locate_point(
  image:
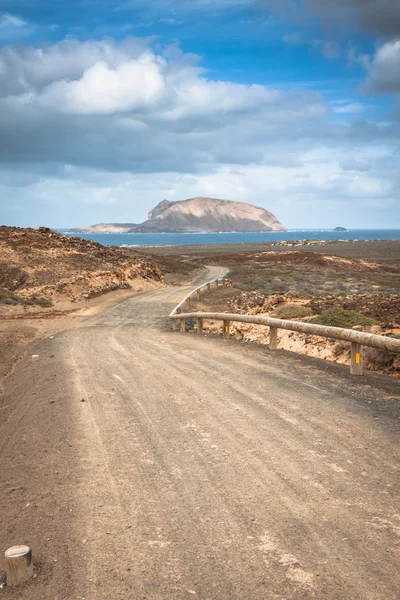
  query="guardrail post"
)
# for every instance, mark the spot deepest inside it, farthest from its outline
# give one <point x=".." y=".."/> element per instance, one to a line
<point x="182" y="324"/>
<point x="199" y="325"/>
<point x="226" y="329"/>
<point x="216" y="283"/>
<point x="273" y="338"/>
<point x="198" y="294"/>
<point x="356" y="366"/>
<point x="188" y="303"/>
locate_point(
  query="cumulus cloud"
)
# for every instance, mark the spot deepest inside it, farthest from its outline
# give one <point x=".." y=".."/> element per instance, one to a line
<point x="110" y="124"/>
<point x="132" y="85"/>
<point x="107" y="78"/>
<point x="122" y="106"/>
<point x="384" y="70"/>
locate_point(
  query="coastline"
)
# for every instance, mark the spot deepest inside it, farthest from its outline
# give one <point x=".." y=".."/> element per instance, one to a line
<point x="147" y="240"/>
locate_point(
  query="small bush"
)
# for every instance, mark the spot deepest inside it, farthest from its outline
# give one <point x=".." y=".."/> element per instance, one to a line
<point x="340" y="348"/>
<point x="291" y="311"/>
<point x="40" y="301"/>
<point x="376" y="360"/>
<point x="339" y="317"/>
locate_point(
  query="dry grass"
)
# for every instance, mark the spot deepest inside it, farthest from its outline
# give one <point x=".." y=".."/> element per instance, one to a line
<point x="291" y="311"/>
<point x="338" y="317"/>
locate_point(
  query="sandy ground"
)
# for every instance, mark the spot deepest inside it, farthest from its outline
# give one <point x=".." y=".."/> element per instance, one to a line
<point x="142" y="463"/>
<point x="18" y="330"/>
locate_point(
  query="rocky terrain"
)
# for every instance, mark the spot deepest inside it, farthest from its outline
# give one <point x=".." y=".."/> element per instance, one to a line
<point x="312" y="286"/>
<point x="46" y="278"/>
<point x="42" y="267"/>
<point x="198" y="215"/>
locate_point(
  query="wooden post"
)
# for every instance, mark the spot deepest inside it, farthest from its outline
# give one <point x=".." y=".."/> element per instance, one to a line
<point x="174" y="323"/>
<point x="273" y="338"/>
<point x="209" y="287"/>
<point x="19" y="565"/>
<point x="198" y="294"/>
<point x="178" y="311"/>
<point x="199" y="325"/>
<point x="183" y="325"/>
<point x="356" y="366"/>
<point x="226" y="329"/>
<point x="188" y="303"/>
<point x="216" y="283"/>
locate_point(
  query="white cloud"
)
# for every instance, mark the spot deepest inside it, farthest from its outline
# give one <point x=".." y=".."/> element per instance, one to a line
<point x="384" y="70"/>
<point x="348" y="107"/>
<point x="13" y="27"/>
<point x="104" y="130"/>
<point x="133" y="85"/>
<point x="110" y="78"/>
<point x="6" y="19"/>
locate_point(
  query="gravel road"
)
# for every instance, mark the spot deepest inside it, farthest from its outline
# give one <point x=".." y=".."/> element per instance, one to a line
<point x="142" y="463"/>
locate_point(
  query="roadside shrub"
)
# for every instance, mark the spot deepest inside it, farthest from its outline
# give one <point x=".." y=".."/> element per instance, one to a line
<point x="291" y="311"/>
<point x="381" y="360"/>
<point x="339" y="317"/>
<point x="40" y="301"/>
<point x="340" y="348"/>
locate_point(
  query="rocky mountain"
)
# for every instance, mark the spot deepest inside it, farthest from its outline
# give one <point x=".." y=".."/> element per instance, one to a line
<point x="199" y="215"/>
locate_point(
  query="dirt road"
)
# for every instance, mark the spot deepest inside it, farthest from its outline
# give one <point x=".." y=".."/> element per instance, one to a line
<point x="142" y="463"/>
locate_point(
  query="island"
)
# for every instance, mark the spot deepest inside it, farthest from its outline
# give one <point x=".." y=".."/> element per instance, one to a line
<point x="340" y="229"/>
<point x="196" y="215"/>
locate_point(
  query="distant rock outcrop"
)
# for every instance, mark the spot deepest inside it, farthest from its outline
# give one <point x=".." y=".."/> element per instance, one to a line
<point x="340" y="229"/>
<point x="197" y="215"/>
<point x="208" y="215"/>
<point x="105" y="228"/>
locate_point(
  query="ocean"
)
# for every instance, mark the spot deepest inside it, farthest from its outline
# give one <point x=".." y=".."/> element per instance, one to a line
<point x="174" y="239"/>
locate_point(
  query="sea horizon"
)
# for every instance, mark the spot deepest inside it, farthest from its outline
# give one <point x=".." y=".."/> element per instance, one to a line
<point x="234" y="237"/>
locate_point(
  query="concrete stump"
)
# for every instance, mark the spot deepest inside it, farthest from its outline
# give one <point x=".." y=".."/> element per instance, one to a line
<point x="19" y="565"/>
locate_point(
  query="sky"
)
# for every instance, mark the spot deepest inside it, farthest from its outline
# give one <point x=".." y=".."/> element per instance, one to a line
<point x="107" y="107"/>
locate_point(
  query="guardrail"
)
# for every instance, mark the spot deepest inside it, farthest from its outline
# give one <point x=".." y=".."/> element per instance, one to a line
<point x="358" y="339"/>
<point x="197" y="292"/>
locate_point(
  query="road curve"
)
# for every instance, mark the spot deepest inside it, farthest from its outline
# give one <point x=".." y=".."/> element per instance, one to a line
<point x="142" y="463"/>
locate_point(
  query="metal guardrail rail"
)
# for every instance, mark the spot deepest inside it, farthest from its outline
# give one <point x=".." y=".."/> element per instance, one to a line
<point x="358" y="339"/>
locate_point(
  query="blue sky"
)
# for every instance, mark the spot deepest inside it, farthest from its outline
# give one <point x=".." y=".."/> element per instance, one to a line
<point x="108" y="107"/>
